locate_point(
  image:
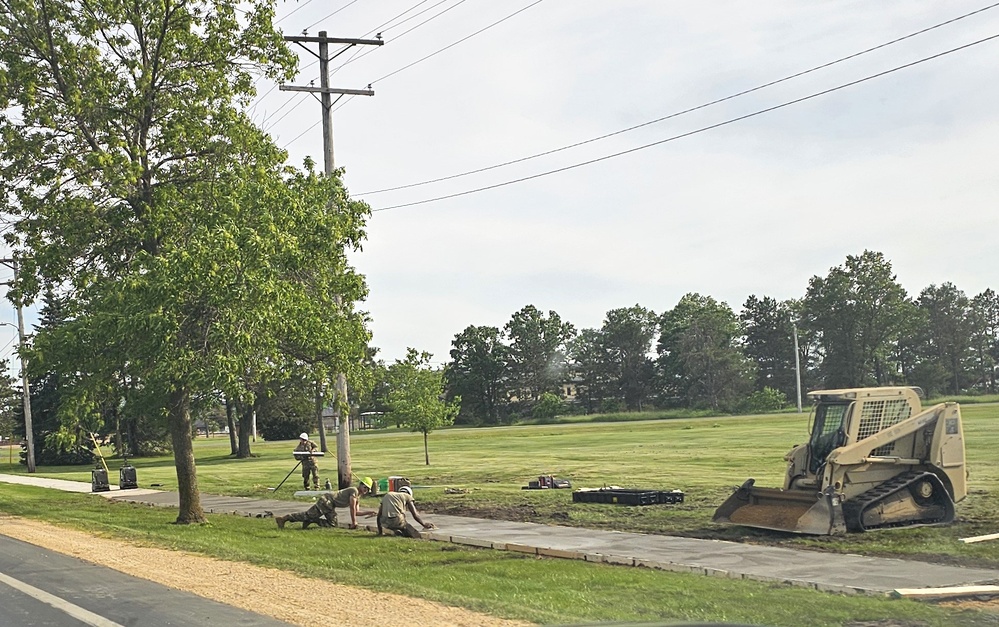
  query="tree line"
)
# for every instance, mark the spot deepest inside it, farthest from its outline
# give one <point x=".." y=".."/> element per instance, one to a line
<point x="856" y="326"/>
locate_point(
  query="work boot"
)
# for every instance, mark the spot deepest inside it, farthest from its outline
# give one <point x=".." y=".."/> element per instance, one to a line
<point x="281" y="520"/>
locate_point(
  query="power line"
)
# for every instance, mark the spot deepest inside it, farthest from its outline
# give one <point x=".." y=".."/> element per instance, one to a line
<point x="384" y="26"/>
<point x="296" y="10"/>
<point x="299" y="103"/>
<point x="678" y="113"/>
<point x="432" y="54"/>
<point x="358" y="55"/>
<point x="406" y="32"/>
<point x="302" y="134"/>
<point x="331" y="14"/>
<point x="426" y="57"/>
<point x="694" y="132"/>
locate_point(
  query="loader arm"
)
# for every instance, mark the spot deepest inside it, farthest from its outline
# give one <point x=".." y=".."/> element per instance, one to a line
<point x="941" y="451"/>
<point x="860" y="452"/>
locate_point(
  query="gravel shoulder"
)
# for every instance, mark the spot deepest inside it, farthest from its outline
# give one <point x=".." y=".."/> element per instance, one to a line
<point x="266" y="591"/>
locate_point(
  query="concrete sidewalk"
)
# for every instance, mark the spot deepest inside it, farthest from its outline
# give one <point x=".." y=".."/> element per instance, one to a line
<point x="851" y="574"/>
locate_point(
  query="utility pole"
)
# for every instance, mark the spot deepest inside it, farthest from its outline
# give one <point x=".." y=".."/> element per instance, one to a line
<point x="25" y="390"/>
<point x="797" y="364"/>
<point x="342" y="407"/>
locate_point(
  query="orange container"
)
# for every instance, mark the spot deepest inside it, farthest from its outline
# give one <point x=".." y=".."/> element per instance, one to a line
<point x="394" y="483"/>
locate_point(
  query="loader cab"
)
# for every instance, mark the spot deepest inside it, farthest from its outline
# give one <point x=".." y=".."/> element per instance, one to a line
<point x="829" y="428"/>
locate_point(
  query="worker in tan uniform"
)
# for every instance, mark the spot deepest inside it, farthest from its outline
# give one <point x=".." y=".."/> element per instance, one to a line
<point x="392" y="514"/>
<point x="309" y="466"/>
<point x="323" y="513"/>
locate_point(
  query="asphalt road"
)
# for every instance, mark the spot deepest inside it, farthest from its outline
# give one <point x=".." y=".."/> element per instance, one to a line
<point x="40" y="588"/>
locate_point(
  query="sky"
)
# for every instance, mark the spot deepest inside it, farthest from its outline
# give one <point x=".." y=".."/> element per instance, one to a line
<point x="906" y="163"/>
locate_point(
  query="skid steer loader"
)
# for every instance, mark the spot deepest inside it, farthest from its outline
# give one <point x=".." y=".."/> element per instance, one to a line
<point x="874" y="459"/>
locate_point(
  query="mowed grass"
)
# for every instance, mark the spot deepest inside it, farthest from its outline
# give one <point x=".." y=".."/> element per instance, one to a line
<point x="705" y="457"/>
<point x="506" y="584"/>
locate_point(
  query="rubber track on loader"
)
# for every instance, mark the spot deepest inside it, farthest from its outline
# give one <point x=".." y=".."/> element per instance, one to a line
<point x="854" y="509"/>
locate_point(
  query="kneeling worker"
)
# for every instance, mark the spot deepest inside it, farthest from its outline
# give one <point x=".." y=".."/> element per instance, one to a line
<point x="392" y="513"/>
<point x="323" y="513"/>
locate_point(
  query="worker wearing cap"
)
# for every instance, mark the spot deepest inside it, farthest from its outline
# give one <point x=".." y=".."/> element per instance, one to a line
<point x="323" y="513"/>
<point x="392" y="513"/>
<point x="309" y="466"/>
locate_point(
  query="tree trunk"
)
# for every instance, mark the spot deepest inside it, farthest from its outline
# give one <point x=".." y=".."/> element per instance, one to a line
<point x="231" y="422"/>
<point x="426" y="448"/>
<point x="132" y="437"/>
<point x="245" y="429"/>
<point x="320" y="425"/>
<point x="343" y="469"/>
<point x="183" y="455"/>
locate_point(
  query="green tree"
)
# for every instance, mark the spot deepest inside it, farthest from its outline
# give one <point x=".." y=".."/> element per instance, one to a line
<point x="768" y="325"/>
<point x="700" y="358"/>
<point x="985" y="338"/>
<point x="416" y="394"/>
<point x="373" y="395"/>
<point x="141" y="188"/>
<point x="948" y="312"/>
<point x="11" y="413"/>
<point x="858" y="312"/>
<point x="547" y="408"/>
<point x="628" y="334"/>
<point x="614" y="361"/>
<point x="286" y="410"/>
<point x="914" y="353"/>
<point x="538" y="347"/>
<point x="765" y="401"/>
<point x="478" y="374"/>
<point x="592" y="369"/>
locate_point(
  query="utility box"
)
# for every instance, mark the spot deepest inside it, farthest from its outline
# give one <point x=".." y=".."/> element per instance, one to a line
<point x="126" y="477"/>
<point x="99" y="480"/>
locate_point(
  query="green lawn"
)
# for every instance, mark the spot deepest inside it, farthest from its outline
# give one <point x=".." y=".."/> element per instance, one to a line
<point x="507" y="584"/>
<point x="705" y="457"/>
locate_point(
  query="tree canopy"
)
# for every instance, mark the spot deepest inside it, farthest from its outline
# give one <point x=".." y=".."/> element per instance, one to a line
<point x="416" y="396"/>
<point x="190" y="256"/>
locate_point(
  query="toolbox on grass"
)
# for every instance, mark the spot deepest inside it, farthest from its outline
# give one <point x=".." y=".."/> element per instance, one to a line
<point x="625" y="496"/>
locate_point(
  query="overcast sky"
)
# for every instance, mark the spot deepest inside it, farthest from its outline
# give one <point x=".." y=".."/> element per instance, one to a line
<point x="906" y="164"/>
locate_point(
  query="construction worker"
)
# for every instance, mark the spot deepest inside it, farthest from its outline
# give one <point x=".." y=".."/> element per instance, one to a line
<point x="392" y="514"/>
<point x="309" y="466"/>
<point x="323" y="513"/>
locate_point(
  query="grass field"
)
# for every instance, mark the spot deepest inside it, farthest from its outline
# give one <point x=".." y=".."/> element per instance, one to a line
<point x="705" y="457"/>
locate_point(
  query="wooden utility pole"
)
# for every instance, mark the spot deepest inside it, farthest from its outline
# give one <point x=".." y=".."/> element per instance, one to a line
<point x="341" y="405"/>
<point x="25" y="389"/>
<point x="797" y="365"/>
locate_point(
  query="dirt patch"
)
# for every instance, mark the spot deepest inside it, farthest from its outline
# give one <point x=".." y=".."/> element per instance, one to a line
<point x="982" y="605"/>
<point x="262" y="590"/>
<point x="512" y="513"/>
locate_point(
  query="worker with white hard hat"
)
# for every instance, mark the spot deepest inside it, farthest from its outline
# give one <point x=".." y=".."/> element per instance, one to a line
<point x="309" y="466"/>
<point x="392" y="514"/>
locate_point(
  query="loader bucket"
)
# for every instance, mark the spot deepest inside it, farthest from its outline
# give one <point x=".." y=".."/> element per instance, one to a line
<point x="794" y="511"/>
